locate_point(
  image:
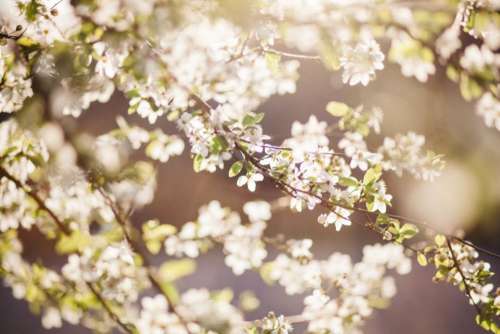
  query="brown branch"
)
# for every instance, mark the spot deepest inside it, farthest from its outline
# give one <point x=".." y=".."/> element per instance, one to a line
<point x="11" y="36"/>
<point x="37" y="199"/>
<point x="456" y="264"/>
<point x="66" y="232"/>
<point x="206" y="108"/>
<point x="282" y="148"/>
<point x="108" y="309"/>
<point x="137" y="249"/>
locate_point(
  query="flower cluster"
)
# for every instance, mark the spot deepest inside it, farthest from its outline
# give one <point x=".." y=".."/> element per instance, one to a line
<point x="359" y="285"/>
<point x="113" y="268"/>
<point x="207" y="66"/>
<point x="242" y="243"/>
<point x="458" y="264"/>
<point x="20" y="153"/>
<point x="16" y="86"/>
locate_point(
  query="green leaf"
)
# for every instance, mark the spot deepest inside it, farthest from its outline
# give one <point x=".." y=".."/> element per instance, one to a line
<point x="27" y="42"/>
<point x="86" y="301"/>
<point x="154" y="230"/>
<point x="252" y="119"/>
<point x="382" y="220"/>
<point x="248" y="301"/>
<point x="225" y="295"/>
<point x="470" y="20"/>
<point x="32" y="10"/>
<point x="171" y="271"/>
<point x="330" y="55"/>
<point x="74" y="242"/>
<point x="407" y="231"/>
<point x="273" y="61"/>
<point x="469" y="88"/>
<point x="248" y="120"/>
<point x="171" y="291"/>
<point x="265" y="272"/>
<point x="198" y="159"/>
<point x="440" y="240"/>
<point x="153" y="246"/>
<point x="133" y="93"/>
<point x="348" y="181"/>
<point x="155" y="233"/>
<point x="235" y="168"/>
<point x="259" y="117"/>
<point x="337" y="109"/>
<point x="452" y="73"/>
<point x="372" y="175"/>
<point x="219" y="144"/>
<point x="251" y="330"/>
<point x="370" y="204"/>
<point x="421" y="259"/>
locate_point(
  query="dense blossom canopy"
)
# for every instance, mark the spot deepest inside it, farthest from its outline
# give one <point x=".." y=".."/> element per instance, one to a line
<point x="207" y="66"/>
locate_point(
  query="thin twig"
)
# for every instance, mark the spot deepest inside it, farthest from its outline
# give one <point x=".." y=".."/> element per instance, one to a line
<point x="208" y="109"/>
<point x="282" y="148"/>
<point x="136" y="248"/>
<point x="66" y="232"/>
<point x="291" y="54"/>
<point x="464" y="279"/>
<point x="108" y="309"/>
<point x="36" y="198"/>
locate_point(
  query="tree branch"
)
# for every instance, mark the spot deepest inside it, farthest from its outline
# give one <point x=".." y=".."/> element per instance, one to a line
<point x="66" y="232"/>
<point x="456" y="264"/>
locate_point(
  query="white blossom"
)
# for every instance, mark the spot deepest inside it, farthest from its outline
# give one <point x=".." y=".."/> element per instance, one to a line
<point x="339" y="217"/>
<point x="488" y="108"/>
<point x="361" y="62"/>
<point x="250" y="180"/>
<point x="244" y="247"/>
<point x="51" y="318"/>
<point x="276" y="324"/>
<point x="257" y="211"/>
<point x="154" y="317"/>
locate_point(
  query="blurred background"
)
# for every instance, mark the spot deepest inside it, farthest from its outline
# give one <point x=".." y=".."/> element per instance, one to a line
<point x="466" y="197"/>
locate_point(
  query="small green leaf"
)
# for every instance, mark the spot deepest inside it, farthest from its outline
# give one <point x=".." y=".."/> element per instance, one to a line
<point x="372" y="175"/>
<point x="407" y="231"/>
<point x="198" y="159"/>
<point x="337" y="109"/>
<point x="248" y="120"/>
<point x="251" y="119"/>
<point x="248" y="301"/>
<point x="27" y="42"/>
<point x="251" y="330"/>
<point x="153" y="246"/>
<point x="225" y="295"/>
<point x="219" y="144"/>
<point x="74" y="242"/>
<point x="32" y="10"/>
<point x="348" y="182"/>
<point x="265" y="272"/>
<point x="154" y="230"/>
<point x="273" y="61"/>
<point x="469" y="88"/>
<point x="259" y="117"/>
<point x="330" y="54"/>
<point x="154" y="233"/>
<point x="173" y="270"/>
<point x="133" y="93"/>
<point x="440" y="240"/>
<point x="235" y="168"/>
<point x="171" y="291"/>
<point x="421" y="259"/>
<point x="452" y="73"/>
